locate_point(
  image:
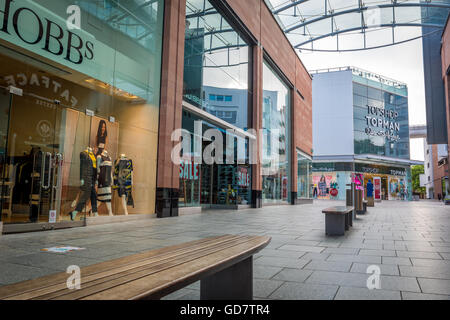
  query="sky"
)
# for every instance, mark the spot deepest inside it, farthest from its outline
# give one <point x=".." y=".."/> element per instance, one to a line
<point x="402" y="62"/>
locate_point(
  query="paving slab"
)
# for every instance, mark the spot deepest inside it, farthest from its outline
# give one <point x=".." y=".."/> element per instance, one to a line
<point x="435" y="286"/>
<point x="396" y="261"/>
<point x="302" y="291"/>
<point x="390" y="270"/>
<point x="265" y="272"/>
<point x="355" y="258"/>
<point x="348" y="293"/>
<point x="343" y="266"/>
<point x="423" y="296"/>
<point x="293" y="275"/>
<point x="264" y="288"/>
<point x="281" y="262"/>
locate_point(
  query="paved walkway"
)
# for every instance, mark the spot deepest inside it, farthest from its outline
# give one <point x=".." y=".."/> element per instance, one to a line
<point x="409" y="241"/>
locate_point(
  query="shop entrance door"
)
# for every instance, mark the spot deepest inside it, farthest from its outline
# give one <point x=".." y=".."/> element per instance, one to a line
<point x="36" y="144"/>
<point x="5" y="185"/>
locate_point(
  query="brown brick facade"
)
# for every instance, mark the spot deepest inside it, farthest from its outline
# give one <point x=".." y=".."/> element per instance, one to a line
<point x="445" y="54"/>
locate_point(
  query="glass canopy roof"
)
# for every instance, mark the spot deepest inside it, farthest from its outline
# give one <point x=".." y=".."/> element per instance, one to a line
<point x="135" y="18"/>
<point x="350" y="25"/>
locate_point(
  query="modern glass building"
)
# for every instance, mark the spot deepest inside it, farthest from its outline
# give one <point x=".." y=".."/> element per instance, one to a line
<point x="361" y="133"/>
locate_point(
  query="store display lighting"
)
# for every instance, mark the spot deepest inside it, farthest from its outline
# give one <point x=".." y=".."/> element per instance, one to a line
<point x="112" y="90"/>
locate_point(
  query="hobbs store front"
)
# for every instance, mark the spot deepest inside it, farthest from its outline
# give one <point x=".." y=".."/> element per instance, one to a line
<point x="79" y="110"/>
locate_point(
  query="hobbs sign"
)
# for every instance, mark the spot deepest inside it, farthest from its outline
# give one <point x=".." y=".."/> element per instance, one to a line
<point x="382" y="123"/>
<point x="31" y="27"/>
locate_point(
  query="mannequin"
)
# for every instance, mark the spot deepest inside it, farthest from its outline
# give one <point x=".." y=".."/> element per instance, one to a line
<point x="105" y="178"/>
<point x="88" y="181"/>
<point x="123" y="180"/>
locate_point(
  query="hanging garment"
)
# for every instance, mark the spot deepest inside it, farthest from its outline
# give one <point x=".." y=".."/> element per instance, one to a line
<point x="88" y="173"/>
<point x="35" y="186"/>
<point x="123" y="170"/>
<point x="104" y="170"/>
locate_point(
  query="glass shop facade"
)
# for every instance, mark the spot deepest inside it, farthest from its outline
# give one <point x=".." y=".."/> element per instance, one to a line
<point x="217" y="95"/>
<point x="381" y="144"/>
<point x="79" y="109"/>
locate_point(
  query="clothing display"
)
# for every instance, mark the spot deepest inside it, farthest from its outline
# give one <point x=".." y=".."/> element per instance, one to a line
<point x="322" y="188"/>
<point x="123" y="170"/>
<point x="101" y="143"/>
<point x="369" y="189"/>
<point x="35" y="194"/>
<point x="88" y="174"/>
<point x="104" y="169"/>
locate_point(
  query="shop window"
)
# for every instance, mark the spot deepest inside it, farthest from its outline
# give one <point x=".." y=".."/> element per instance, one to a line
<point x="215" y="62"/>
<point x="275" y="162"/>
<point x="304" y="175"/>
<point x="218" y="184"/>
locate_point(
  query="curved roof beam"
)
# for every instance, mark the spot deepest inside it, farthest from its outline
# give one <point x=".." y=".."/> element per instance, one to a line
<point x="370" y="48"/>
<point x="288" y="6"/>
<point x="360" y="9"/>
<point x="385" y="25"/>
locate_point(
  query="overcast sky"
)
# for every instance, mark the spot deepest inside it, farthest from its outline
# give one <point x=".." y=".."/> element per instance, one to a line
<point x="403" y="62"/>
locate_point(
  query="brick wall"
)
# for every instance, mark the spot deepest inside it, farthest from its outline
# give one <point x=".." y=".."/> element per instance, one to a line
<point x="445" y="54"/>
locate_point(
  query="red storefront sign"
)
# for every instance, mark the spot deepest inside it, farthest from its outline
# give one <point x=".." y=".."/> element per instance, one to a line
<point x="243" y="177"/>
<point x="189" y="170"/>
<point x="377" y="187"/>
<point x="334" y="192"/>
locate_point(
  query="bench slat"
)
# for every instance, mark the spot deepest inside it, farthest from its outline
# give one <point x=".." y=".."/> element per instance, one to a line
<point x="55" y="279"/>
<point x="118" y="276"/>
<point x="338" y="210"/>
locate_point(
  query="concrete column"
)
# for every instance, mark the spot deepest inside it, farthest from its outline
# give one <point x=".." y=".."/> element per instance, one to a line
<point x="167" y="191"/>
<point x="1" y="228"/>
<point x="293" y="145"/>
<point x="257" y="122"/>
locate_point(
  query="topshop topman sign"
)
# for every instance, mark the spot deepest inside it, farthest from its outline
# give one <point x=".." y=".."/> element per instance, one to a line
<point x="385" y="120"/>
<point x="32" y="26"/>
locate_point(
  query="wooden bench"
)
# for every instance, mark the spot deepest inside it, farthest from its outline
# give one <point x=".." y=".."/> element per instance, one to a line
<point x="224" y="266"/>
<point x="338" y="220"/>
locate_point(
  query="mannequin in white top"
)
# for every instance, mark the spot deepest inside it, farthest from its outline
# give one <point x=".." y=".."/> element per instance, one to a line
<point x="105" y="179"/>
